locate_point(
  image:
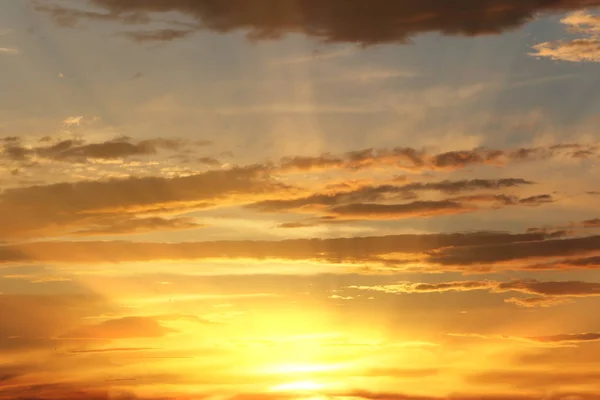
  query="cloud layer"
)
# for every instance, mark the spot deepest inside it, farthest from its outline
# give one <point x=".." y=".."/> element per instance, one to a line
<point x="334" y="21"/>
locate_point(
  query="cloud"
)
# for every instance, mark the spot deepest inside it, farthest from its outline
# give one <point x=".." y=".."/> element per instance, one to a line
<point x="376" y="193"/>
<point x="392" y="211"/>
<point x="592" y="223"/>
<point x="560" y="340"/>
<point x="29" y="322"/>
<point x="111" y="350"/>
<point x="522" y="252"/>
<point x="373" y="202"/>
<point x="359" y="249"/>
<point x="128" y="226"/>
<point x="72" y="120"/>
<point x="69" y="391"/>
<point x="576" y="262"/>
<point x="568" y="338"/>
<point x="161" y="35"/>
<point x="415" y="160"/>
<point x="371" y="395"/>
<point x="338" y="297"/>
<point x="210" y="161"/>
<point x="530" y="302"/>
<point x="77" y="151"/>
<point x="8" y="50"/>
<point x="64" y="208"/>
<point x="552" y="293"/>
<point x="415" y="209"/>
<point x="335" y="20"/>
<point x="576" y="50"/>
<point x="431" y="208"/>
<point x="121" y="328"/>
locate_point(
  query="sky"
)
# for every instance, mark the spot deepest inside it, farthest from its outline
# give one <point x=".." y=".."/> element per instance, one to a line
<point x="299" y="199"/>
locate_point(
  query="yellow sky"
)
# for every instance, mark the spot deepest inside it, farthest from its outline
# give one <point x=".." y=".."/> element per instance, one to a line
<point x="260" y="199"/>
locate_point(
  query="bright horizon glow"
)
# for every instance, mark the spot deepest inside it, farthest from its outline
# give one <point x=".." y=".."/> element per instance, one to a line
<point x="299" y="386"/>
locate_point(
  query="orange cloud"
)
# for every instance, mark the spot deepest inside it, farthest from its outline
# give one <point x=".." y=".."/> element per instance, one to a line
<point x="576" y="50"/>
<point x="121" y="328"/>
<point x="129" y="226"/>
<point x="88" y="206"/>
<point x="359" y="249"/>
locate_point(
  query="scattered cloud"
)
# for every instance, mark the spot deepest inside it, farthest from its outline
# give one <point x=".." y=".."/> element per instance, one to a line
<point x="576" y="50"/>
<point x="381" y="192"/>
<point x="411" y="159"/>
<point x="73" y="120"/>
<point x="551" y="293"/>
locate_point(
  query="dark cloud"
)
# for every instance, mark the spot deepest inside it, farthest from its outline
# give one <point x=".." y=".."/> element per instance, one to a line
<point x="78" y="151"/>
<point x="522" y="252"/>
<point x="355" y="21"/>
<point x="420" y="160"/>
<point x="210" y="161"/>
<point x="537" y="200"/>
<point x="162" y="35"/>
<point x="431" y="208"/>
<point x="567" y="263"/>
<point x="361" y="249"/>
<point x="376" y="193"/>
<point x="377" y="202"/>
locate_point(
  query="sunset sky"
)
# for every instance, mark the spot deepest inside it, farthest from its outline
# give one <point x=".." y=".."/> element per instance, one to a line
<point x="299" y="199"/>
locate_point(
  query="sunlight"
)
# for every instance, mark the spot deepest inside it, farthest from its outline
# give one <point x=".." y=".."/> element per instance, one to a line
<point x="303" y="368"/>
<point x="300" y="386"/>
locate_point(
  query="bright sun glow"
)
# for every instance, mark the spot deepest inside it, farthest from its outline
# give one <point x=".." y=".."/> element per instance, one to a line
<point x="303" y="368"/>
<point x="301" y="386"/>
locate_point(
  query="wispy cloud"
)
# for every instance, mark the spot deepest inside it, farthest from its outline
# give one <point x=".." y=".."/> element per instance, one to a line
<point x="8" y="50"/>
<point x="551" y="293"/>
